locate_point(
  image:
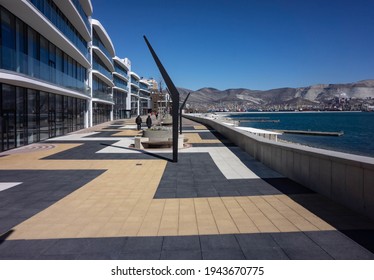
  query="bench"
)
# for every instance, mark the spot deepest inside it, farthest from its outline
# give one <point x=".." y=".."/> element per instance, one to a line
<point x="157" y="144"/>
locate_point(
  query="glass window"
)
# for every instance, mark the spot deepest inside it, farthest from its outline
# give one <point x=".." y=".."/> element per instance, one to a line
<point x="59" y="115"/>
<point x="33" y="52"/>
<point x="43" y="109"/>
<point x="21" y="120"/>
<point x="32" y="116"/>
<point x="21" y="46"/>
<point x="52" y="63"/>
<point x="52" y="115"/>
<point x="8" y="116"/>
<point x="8" y="43"/>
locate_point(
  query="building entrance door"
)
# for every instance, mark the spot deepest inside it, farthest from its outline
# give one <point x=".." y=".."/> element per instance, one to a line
<point x="8" y="130"/>
<point x="52" y="123"/>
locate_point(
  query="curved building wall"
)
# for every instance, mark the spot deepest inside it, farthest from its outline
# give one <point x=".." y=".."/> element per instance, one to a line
<point x="42" y="88"/>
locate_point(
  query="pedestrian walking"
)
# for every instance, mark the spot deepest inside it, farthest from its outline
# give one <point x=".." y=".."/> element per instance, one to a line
<point x="149" y="121"/>
<point x="139" y="121"/>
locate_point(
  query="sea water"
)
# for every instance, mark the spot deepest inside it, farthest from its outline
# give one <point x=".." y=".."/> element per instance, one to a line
<point x="358" y="128"/>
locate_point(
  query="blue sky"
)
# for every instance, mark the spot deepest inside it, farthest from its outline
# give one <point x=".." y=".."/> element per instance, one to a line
<point x="255" y="44"/>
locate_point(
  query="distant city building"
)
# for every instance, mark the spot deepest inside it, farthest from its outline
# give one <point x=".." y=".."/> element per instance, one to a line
<point x="59" y="72"/>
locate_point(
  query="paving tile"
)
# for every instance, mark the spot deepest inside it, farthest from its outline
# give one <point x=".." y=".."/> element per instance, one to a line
<point x="339" y="246"/>
<point x="223" y="254"/>
<point x="181" y="255"/>
<point x="143" y="244"/>
<point x="172" y="243"/>
<point x="123" y="194"/>
<point x="275" y="253"/>
<point x="139" y="255"/>
<point x="218" y="242"/>
<point x="299" y="246"/>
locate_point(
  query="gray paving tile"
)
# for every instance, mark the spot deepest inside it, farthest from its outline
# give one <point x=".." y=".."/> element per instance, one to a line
<point x="266" y="253"/>
<point x="139" y="255"/>
<point x="67" y="247"/>
<point x="24" y="249"/>
<point x="217" y="242"/>
<point x="181" y="243"/>
<point x="223" y="254"/>
<point x="143" y="244"/>
<point x="256" y="241"/>
<point x="340" y="246"/>
<point x="298" y="246"/>
<point x="102" y="245"/>
<point x="181" y="255"/>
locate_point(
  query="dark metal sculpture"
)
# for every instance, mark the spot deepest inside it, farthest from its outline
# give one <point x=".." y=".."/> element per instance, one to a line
<point x="174" y="96"/>
<point x="180" y="112"/>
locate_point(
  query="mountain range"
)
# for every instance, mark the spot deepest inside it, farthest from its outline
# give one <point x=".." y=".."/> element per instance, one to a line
<point x="311" y="95"/>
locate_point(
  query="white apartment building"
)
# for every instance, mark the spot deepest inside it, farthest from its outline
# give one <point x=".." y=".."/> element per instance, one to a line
<point x="59" y="72"/>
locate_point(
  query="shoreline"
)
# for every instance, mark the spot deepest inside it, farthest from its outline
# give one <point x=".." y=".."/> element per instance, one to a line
<point x="224" y="117"/>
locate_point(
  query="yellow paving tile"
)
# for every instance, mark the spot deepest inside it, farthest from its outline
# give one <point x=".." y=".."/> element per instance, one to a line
<point x="205" y="220"/>
<point x="309" y="216"/>
<point x="241" y="219"/>
<point x="258" y="218"/>
<point x="187" y="218"/>
<point x="128" y="132"/>
<point x="152" y="219"/>
<point x="224" y="222"/>
<point x="170" y="218"/>
<point x="282" y="223"/>
<point x="200" y="127"/>
<point x="195" y="138"/>
<point x="297" y="220"/>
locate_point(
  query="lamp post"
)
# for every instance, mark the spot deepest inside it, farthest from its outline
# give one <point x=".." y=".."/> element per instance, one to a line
<point x="174" y="96"/>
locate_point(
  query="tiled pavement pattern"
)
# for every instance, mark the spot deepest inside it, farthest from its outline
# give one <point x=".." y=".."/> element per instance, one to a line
<point x="89" y="195"/>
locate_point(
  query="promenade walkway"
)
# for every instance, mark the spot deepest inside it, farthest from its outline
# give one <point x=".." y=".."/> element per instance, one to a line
<point x="90" y="195"/>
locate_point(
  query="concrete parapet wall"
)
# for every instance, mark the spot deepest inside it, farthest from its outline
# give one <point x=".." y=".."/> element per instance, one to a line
<point x="344" y="178"/>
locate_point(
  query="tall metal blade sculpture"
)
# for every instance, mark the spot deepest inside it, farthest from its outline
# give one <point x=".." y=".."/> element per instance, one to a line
<point x="180" y="112"/>
<point x="174" y="97"/>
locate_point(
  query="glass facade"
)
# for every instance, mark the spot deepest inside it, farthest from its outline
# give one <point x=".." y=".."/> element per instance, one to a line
<point x="28" y="116"/>
<point x="101" y="90"/>
<point x="82" y="13"/>
<point x="49" y="9"/>
<point x="120" y="83"/>
<point x="101" y="113"/>
<point x="120" y="70"/>
<point x="119" y="108"/>
<point x="144" y="109"/>
<point x="25" y="51"/>
<point x="101" y="67"/>
<point x="134" y="105"/>
<point x="97" y="42"/>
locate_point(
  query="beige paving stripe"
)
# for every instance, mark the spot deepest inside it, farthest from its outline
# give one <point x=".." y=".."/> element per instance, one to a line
<point x="128" y="132"/>
<point x="195" y="138"/>
<point x="200" y="127"/>
<point x="120" y="203"/>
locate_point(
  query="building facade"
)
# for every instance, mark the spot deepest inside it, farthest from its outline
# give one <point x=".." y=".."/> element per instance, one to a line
<point x="58" y="72"/>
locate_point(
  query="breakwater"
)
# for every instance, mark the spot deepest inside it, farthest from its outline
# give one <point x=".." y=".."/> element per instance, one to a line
<point x="345" y="178"/>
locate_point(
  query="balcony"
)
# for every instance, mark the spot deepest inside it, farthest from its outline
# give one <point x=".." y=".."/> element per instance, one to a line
<point x="102" y="96"/>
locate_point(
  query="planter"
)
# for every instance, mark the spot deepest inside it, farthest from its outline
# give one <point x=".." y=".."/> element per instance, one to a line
<point x="157" y="135"/>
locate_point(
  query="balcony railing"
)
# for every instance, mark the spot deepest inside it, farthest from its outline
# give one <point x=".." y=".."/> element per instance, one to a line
<point x="27" y="65"/>
<point x="102" y="95"/>
<point x="59" y="20"/>
<point x="100" y="45"/>
<point x="97" y="66"/>
<point x="81" y="12"/>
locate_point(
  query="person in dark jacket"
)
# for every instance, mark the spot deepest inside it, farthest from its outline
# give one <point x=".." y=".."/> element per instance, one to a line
<point x="139" y="121"/>
<point x="149" y="121"/>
